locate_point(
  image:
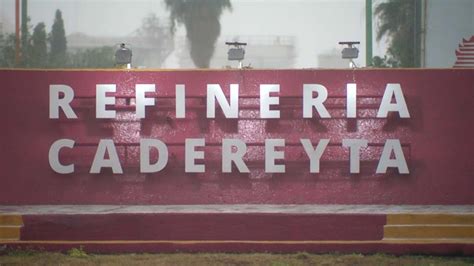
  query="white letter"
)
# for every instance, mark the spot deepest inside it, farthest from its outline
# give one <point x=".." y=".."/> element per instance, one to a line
<point x="191" y="155"/>
<point x="351" y="105"/>
<point x="318" y="102"/>
<point x="266" y="100"/>
<point x="145" y="146"/>
<point x="101" y="100"/>
<point x="214" y="92"/>
<point x="106" y="146"/>
<point x="399" y="105"/>
<point x="180" y="101"/>
<point x="140" y="90"/>
<point x="314" y="154"/>
<point x="228" y="156"/>
<point x="55" y="102"/>
<point x="271" y="155"/>
<point x="399" y="160"/>
<point x="54" y="156"/>
<point x="354" y="149"/>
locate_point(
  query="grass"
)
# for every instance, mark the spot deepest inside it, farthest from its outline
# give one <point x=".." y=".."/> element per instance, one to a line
<point x="78" y="256"/>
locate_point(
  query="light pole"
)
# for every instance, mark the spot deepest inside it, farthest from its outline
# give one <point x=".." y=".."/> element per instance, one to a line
<point x="368" y="32"/>
<point x="17" y="32"/>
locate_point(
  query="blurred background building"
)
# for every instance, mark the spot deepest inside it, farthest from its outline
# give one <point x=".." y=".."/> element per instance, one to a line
<point x="261" y="52"/>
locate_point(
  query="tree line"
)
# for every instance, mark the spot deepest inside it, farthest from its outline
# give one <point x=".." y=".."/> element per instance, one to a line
<point x="400" y="22"/>
<point x="49" y="50"/>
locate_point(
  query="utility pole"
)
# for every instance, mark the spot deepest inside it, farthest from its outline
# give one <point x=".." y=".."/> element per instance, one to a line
<point x="418" y="34"/>
<point x="368" y="32"/>
<point x="24" y="30"/>
<point x="17" y="32"/>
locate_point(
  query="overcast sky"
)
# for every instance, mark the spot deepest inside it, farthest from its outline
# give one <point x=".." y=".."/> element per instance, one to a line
<point x="317" y="25"/>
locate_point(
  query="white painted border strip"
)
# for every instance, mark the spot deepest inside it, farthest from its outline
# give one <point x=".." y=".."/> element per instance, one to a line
<point x="237" y="208"/>
<point x="264" y="242"/>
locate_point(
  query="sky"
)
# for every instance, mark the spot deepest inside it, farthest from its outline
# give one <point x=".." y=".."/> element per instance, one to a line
<point x="317" y="25"/>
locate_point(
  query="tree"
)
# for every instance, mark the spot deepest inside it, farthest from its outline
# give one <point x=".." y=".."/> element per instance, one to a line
<point x="399" y="22"/>
<point x="384" y="62"/>
<point x="201" y="20"/>
<point x="38" y="56"/>
<point x="101" y="57"/>
<point x="7" y="50"/>
<point x="158" y="38"/>
<point x="58" y="43"/>
<point x="25" y="43"/>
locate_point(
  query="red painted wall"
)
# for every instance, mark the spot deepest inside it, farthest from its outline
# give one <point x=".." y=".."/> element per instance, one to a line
<point x="204" y="226"/>
<point x="437" y="139"/>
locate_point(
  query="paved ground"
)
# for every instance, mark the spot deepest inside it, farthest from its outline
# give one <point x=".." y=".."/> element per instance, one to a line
<point x="258" y="208"/>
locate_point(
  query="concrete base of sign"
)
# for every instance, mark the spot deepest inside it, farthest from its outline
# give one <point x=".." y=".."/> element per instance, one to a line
<point x="413" y="229"/>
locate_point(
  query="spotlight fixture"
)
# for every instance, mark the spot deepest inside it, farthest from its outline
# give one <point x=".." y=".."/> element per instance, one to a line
<point x="350" y="52"/>
<point x="236" y="52"/>
<point x="123" y="57"/>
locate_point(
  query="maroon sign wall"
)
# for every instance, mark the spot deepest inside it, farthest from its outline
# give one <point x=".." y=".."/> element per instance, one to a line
<point x="437" y="140"/>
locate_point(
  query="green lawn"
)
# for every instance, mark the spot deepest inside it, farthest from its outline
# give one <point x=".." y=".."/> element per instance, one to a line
<point x="78" y="257"/>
